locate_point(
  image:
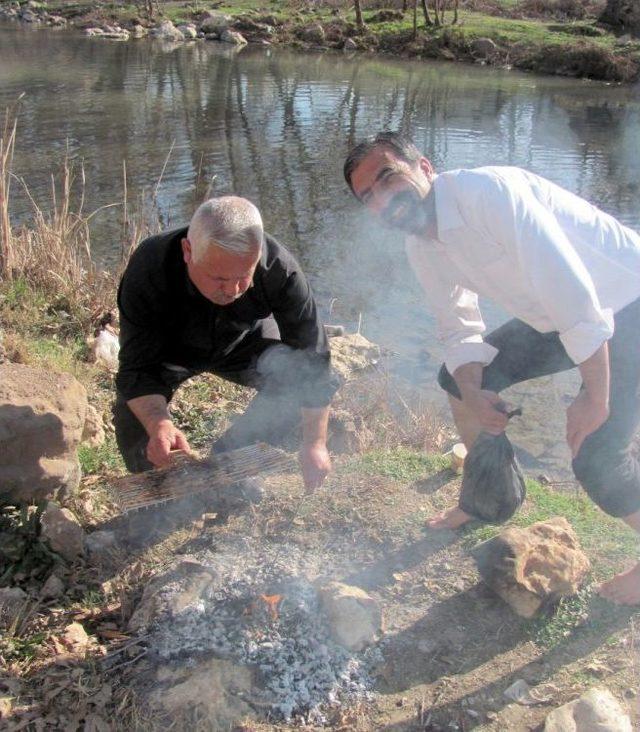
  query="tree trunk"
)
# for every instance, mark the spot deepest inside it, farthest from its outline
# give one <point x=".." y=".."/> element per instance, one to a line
<point x="359" y="19"/>
<point x="405" y="3"/>
<point x="455" y="12"/>
<point x="436" y="12"/>
<point x="425" y="10"/>
<point x="415" y="19"/>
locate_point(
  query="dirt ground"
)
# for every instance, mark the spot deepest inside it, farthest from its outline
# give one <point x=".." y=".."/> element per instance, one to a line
<point x="451" y="646"/>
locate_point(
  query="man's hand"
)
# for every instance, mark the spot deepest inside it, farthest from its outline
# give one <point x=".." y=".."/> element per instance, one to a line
<point x="584" y="416"/>
<point x="164" y="437"/>
<point x="488" y="409"/>
<point x="315" y="463"/>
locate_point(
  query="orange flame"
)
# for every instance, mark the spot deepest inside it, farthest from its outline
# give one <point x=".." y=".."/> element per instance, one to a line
<point x="272" y="602"/>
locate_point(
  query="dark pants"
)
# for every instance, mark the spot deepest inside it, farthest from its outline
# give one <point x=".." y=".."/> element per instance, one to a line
<point x="605" y="466"/>
<point x="260" y="361"/>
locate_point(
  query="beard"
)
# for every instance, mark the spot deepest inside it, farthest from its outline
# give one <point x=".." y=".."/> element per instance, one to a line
<point x="406" y="211"/>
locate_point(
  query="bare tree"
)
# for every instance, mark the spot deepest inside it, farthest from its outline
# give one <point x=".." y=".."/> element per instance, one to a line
<point x="359" y="20"/>
<point x="425" y="10"/>
<point x="150" y="7"/>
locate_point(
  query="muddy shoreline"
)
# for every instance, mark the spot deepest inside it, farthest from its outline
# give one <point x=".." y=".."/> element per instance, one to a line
<point x="572" y="48"/>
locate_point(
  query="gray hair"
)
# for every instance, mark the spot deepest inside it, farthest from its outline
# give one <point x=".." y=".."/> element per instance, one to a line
<point x="401" y="146"/>
<point x="230" y="223"/>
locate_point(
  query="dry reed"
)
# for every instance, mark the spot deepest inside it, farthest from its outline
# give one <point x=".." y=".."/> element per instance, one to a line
<point x="52" y="254"/>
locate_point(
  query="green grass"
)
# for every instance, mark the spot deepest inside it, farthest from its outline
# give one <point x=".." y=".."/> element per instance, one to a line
<point x="608" y="542"/>
<point x="97" y="459"/>
<point x="401" y="463"/>
<point x="21" y="649"/>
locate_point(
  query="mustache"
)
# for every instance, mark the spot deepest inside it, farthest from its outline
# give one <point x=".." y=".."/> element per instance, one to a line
<point x="404" y="209"/>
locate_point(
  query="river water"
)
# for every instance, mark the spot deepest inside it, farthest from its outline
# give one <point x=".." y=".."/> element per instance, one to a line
<point x="274" y="126"/>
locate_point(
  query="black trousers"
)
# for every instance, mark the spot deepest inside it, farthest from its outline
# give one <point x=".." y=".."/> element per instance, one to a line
<point x="260" y="361"/>
<point x="606" y="466"/>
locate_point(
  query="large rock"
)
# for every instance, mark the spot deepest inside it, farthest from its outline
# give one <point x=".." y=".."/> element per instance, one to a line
<point x="313" y="33"/>
<point x="530" y="567"/>
<point x="42" y="417"/>
<point x="169" y="593"/>
<point x="483" y="48"/>
<point x="167" y="31"/>
<point x="233" y="37"/>
<point x="348" y="433"/>
<point x="353" y="353"/>
<point x="215" y="22"/>
<point x="93" y="430"/>
<point x="12" y="601"/>
<point x="213" y="686"/>
<point x="62" y="531"/>
<point x="354" y="617"/>
<point x="596" y="710"/>
<point x="189" y="31"/>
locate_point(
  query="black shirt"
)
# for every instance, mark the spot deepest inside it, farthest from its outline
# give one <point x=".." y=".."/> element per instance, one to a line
<point x="165" y="319"/>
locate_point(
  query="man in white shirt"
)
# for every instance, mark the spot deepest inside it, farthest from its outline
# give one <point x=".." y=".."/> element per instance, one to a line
<point x="569" y="273"/>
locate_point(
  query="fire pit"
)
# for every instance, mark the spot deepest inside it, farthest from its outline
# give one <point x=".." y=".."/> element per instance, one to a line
<point x="269" y="618"/>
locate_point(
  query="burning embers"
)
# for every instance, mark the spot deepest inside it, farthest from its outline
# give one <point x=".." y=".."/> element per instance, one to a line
<point x="270" y="602"/>
<point x="278" y="627"/>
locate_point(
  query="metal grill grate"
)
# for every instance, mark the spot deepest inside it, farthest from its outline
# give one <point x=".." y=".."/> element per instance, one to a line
<point x="189" y="474"/>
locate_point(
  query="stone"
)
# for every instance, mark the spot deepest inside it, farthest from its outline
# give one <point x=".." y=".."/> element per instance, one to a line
<point x="42" y="416"/>
<point x="213" y="686"/>
<point x="348" y="434"/>
<point x="189" y="31"/>
<point x="353" y="353"/>
<point x="483" y="48"/>
<point x="171" y="592"/>
<point x="233" y="37"/>
<point x="533" y="566"/>
<point x="597" y="710"/>
<point x="313" y="33"/>
<point x="139" y="31"/>
<point x="100" y="542"/>
<point x="215" y="22"/>
<point x="52" y="588"/>
<point x="12" y="600"/>
<point x="28" y="16"/>
<point x="93" y="31"/>
<point x="57" y="20"/>
<point x="75" y="642"/>
<point x="354" y="617"/>
<point x="93" y="431"/>
<point x="166" y="31"/>
<point x="62" y="530"/>
<point x="117" y="35"/>
<point x="350" y="45"/>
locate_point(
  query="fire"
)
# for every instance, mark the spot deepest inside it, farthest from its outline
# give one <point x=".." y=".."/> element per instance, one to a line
<point x="272" y="602"/>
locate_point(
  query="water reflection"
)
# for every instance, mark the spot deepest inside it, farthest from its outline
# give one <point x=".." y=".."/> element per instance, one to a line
<point x="275" y="126"/>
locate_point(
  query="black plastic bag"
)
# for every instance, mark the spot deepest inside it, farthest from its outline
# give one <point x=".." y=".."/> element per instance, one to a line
<point x="493" y="487"/>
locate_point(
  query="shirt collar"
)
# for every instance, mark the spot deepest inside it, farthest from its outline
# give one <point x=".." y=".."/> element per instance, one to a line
<point x="448" y="214"/>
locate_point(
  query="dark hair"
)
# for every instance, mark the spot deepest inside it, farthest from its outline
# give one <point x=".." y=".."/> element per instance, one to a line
<point x="401" y="146"/>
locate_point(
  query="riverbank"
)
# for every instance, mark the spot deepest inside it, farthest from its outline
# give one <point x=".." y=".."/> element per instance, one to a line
<point x="72" y="658"/>
<point x="549" y="37"/>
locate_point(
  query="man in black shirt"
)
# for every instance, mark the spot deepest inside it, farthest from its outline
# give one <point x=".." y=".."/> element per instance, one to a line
<point x="224" y="297"/>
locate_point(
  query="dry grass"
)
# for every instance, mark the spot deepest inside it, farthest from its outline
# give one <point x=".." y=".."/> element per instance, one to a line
<point x="52" y="254"/>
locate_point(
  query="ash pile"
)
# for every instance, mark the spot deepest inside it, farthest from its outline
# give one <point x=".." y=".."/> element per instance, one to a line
<point x="310" y="644"/>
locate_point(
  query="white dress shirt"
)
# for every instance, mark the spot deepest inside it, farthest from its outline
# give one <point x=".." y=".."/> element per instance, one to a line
<point x="545" y="255"/>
